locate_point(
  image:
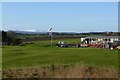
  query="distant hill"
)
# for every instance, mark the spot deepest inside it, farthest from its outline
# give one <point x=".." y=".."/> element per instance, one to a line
<point x="67" y="33"/>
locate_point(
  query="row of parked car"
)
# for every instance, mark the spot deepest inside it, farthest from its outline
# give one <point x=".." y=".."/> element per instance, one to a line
<point x="63" y="44"/>
<point x="114" y="45"/>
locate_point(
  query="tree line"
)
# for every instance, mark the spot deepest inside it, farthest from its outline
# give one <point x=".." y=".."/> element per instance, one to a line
<point x="10" y="38"/>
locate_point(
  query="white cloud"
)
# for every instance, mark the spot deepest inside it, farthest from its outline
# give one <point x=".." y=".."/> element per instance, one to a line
<point x="30" y="30"/>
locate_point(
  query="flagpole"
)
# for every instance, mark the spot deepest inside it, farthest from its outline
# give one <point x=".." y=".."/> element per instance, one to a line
<point x="51" y="40"/>
<point x="51" y="36"/>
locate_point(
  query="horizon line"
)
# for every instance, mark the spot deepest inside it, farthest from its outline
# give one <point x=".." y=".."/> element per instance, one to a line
<point x="60" y="31"/>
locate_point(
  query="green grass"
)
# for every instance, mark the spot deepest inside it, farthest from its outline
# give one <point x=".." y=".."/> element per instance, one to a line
<point x="39" y="54"/>
<point x="0" y="58"/>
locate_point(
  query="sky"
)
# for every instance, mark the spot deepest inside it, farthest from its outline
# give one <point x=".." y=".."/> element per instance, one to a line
<point x="60" y="0"/>
<point x="61" y="16"/>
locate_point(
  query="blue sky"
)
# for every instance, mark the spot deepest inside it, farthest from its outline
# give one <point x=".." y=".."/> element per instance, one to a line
<point x="61" y="16"/>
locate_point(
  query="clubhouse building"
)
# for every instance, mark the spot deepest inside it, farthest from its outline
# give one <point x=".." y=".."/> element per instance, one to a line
<point x="101" y="41"/>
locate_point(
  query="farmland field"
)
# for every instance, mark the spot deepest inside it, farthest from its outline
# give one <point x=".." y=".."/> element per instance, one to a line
<point x="40" y="53"/>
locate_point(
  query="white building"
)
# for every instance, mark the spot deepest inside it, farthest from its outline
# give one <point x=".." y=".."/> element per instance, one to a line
<point x="99" y="39"/>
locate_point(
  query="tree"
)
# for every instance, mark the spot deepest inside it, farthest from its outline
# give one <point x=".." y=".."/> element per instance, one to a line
<point x="9" y="38"/>
<point x="4" y="37"/>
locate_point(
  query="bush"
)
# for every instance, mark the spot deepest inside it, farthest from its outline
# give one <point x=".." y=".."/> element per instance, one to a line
<point x="17" y="41"/>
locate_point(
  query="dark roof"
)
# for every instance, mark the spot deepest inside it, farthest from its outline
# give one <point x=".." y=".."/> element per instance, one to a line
<point x="102" y="37"/>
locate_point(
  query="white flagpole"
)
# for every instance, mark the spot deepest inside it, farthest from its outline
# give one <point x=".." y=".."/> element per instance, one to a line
<point x="51" y="36"/>
<point x="51" y="40"/>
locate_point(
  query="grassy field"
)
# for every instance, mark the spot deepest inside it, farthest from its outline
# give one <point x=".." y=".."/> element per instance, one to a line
<point x="39" y="54"/>
<point x="0" y="58"/>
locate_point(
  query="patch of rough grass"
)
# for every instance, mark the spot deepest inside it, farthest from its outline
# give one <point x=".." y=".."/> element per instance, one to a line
<point x="62" y="71"/>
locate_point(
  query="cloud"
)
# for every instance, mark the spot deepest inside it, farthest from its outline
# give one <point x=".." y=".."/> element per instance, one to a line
<point x="30" y="30"/>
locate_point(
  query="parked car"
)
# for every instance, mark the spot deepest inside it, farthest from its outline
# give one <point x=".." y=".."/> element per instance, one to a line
<point x="115" y="45"/>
